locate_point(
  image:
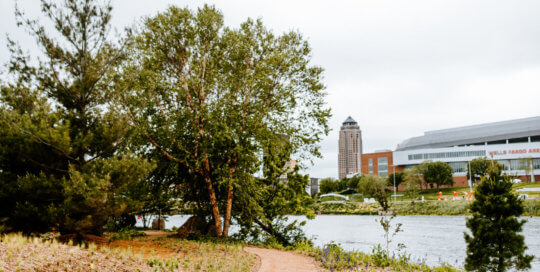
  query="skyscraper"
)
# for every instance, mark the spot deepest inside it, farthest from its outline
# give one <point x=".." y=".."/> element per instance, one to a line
<point x="350" y="148"/>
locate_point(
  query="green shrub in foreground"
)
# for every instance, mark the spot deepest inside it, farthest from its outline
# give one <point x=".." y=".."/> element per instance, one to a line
<point x="127" y="234"/>
<point x="335" y="258"/>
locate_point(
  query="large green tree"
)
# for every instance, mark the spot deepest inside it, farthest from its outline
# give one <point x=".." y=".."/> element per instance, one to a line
<point x="437" y="173"/>
<point x="396" y="179"/>
<point x="63" y="162"/>
<point x="477" y="168"/>
<point x="210" y="99"/>
<point x="376" y="187"/>
<point x="495" y="243"/>
<point x="328" y="185"/>
<point x="413" y="183"/>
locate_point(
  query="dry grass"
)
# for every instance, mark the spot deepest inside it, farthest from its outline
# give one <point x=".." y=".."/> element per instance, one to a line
<point x="150" y="253"/>
<point x="19" y="253"/>
<point x="174" y="253"/>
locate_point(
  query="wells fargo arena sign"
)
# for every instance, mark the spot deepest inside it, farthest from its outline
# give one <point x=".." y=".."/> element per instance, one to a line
<point x="514" y="151"/>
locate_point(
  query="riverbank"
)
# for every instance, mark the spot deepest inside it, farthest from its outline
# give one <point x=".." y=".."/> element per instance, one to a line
<point x="431" y="207"/>
<point x="158" y="251"/>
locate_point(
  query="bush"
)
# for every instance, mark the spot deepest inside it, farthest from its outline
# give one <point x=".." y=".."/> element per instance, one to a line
<point x="380" y="256"/>
<point x="127" y="234"/>
<point x="125" y="221"/>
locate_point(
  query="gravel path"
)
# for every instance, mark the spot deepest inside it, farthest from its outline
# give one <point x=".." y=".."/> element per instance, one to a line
<point x="278" y="260"/>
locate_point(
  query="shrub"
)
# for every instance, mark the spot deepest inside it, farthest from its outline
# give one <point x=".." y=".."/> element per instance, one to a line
<point x="127" y="234"/>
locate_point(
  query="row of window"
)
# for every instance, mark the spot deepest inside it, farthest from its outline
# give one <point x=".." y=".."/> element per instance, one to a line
<point x="528" y="139"/>
<point x="508" y="165"/>
<point x="444" y="155"/>
<point x="382" y="165"/>
<point x="513" y="165"/>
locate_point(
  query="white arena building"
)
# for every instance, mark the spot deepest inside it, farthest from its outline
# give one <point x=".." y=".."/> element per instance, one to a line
<point x="513" y="143"/>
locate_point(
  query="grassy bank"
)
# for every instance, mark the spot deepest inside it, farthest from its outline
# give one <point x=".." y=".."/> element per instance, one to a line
<point x="455" y="207"/>
<point x="19" y="253"/>
<point x="147" y="253"/>
<point x="161" y="253"/>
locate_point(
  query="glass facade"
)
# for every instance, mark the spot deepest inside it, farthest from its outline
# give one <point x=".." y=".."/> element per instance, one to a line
<point x="508" y="165"/>
<point x="458" y="167"/>
<point x="443" y="155"/>
<point x="382" y="164"/>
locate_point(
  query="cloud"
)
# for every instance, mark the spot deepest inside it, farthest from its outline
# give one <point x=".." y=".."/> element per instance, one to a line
<point x="398" y="67"/>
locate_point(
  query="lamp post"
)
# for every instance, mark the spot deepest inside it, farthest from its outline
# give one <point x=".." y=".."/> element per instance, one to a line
<point x="394" y="174"/>
<point x="470" y="175"/>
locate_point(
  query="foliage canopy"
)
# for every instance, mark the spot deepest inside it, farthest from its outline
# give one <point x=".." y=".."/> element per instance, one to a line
<point x="216" y="101"/>
<point x="63" y="160"/>
<point x="477" y="168"/>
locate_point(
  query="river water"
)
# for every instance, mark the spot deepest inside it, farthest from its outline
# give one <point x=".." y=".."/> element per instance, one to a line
<point x="433" y="239"/>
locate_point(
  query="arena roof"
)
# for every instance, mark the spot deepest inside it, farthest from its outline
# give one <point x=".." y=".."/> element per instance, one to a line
<point x="475" y="134"/>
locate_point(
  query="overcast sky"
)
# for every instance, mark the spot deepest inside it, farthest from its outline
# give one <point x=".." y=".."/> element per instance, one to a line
<point x="399" y="68"/>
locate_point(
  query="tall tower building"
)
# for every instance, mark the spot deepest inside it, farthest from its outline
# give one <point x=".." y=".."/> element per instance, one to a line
<point x="350" y="148"/>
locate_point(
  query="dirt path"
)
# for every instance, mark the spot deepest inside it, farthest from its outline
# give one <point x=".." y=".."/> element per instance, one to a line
<point x="273" y="260"/>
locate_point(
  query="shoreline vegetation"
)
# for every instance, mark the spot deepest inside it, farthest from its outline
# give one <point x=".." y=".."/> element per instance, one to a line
<point x="428" y="207"/>
<point x="164" y="252"/>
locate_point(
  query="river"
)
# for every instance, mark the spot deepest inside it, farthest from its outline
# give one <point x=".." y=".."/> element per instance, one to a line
<point x="433" y="239"/>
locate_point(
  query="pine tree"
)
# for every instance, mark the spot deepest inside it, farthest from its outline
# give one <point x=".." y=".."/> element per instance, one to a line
<point x="63" y="161"/>
<point x="495" y="243"/>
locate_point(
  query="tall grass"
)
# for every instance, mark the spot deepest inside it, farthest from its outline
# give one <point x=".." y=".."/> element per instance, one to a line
<point x="22" y="253"/>
<point x="335" y="258"/>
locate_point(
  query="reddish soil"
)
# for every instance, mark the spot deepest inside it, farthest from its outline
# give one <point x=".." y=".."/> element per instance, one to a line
<point x="283" y="261"/>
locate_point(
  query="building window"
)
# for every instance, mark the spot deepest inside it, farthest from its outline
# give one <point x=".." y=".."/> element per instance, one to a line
<point x="505" y="163"/>
<point x="458" y="167"/>
<point x="536" y="163"/>
<point x="444" y="155"/>
<point x="496" y="142"/>
<point x="518" y="140"/>
<point x="382" y="164"/>
<point x="370" y="162"/>
<point x="516" y="165"/>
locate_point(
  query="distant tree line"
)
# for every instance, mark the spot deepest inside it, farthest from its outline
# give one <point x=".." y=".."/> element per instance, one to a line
<point x="432" y="174"/>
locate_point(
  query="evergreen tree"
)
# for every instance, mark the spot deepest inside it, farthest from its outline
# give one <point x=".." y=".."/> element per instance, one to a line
<point x="495" y="243"/>
<point x="63" y="161"/>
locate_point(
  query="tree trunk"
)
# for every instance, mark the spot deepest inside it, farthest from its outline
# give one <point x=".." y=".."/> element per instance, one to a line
<point x="230" y="191"/>
<point x="227" y="220"/>
<point x="212" y="195"/>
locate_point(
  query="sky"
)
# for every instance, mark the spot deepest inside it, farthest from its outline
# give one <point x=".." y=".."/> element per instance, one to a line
<point x="399" y="68"/>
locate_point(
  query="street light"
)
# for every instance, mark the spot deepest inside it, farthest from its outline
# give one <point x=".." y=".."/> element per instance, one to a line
<point x="470" y="175"/>
<point x="394" y="174"/>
